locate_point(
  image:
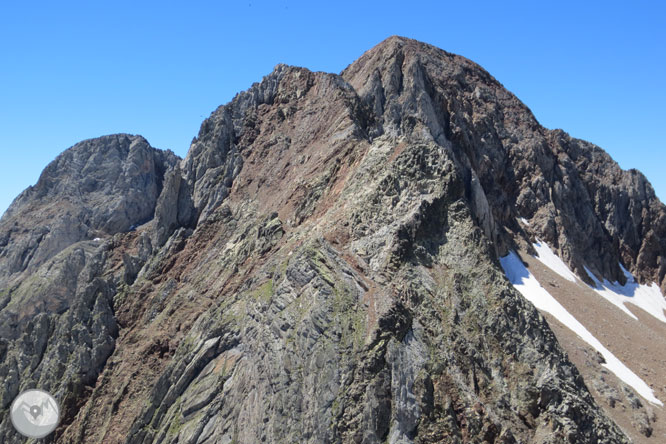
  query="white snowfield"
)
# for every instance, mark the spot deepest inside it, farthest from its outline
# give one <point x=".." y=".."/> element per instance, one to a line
<point x="528" y="286"/>
<point x="647" y="297"/>
<point x="552" y="261"/>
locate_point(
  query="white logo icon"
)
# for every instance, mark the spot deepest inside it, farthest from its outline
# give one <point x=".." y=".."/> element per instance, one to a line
<point x="35" y="413"/>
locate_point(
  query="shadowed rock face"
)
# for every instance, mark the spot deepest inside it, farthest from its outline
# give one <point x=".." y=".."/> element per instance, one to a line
<point x="322" y="267"/>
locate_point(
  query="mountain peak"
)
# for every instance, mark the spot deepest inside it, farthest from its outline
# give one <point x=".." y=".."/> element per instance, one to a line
<point x="323" y="266"/>
<point x="403" y="50"/>
<point x="390" y="44"/>
<point x="98" y="187"/>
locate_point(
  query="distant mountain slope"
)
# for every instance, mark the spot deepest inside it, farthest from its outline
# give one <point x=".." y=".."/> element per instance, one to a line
<point x="322" y="267"/>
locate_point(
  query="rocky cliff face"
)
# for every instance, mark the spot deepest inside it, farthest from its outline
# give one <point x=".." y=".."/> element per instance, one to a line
<point x="96" y="188"/>
<point x="575" y="196"/>
<point x="322" y="267"/>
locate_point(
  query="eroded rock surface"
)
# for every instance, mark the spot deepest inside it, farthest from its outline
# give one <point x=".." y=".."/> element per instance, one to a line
<point x="97" y="188"/>
<point x="322" y="267"/>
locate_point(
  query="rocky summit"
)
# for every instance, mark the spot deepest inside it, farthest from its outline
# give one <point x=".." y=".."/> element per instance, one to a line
<point x="324" y="267"/>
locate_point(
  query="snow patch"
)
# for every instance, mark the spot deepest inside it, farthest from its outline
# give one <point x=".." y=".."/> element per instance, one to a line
<point x="524" y="221"/>
<point x="529" y="287"/>
<point x="647" y="297"/>
<point x="547" y="257"/>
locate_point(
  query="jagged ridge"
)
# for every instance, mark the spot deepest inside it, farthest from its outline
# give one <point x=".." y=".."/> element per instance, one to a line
<point x="322" y="267"/>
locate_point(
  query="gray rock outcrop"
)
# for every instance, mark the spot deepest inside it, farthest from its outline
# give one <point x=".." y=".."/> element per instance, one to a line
<point x="321" y="268"/>
<point x="96" y="188"/>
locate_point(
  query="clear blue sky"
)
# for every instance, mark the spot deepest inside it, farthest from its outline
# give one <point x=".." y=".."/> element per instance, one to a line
<point x="76" y="70"/>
